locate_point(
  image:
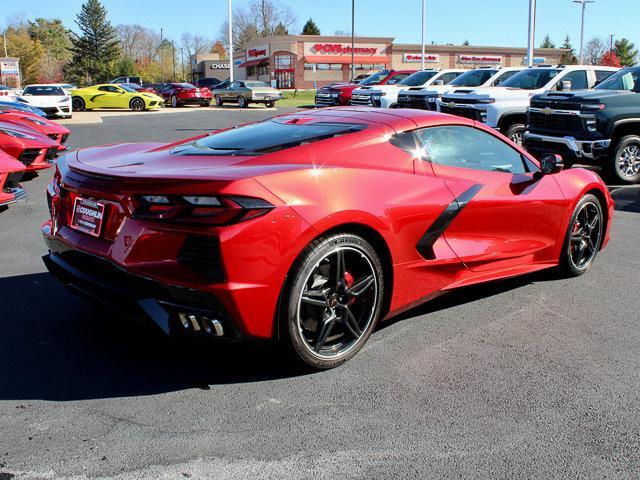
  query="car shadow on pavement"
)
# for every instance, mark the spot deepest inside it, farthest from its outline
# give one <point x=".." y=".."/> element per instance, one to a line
<point x="627" y="198"/>
<point x="56" y="346"/>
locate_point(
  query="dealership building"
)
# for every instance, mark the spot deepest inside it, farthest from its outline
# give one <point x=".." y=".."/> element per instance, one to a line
<point x="311" y="61"/>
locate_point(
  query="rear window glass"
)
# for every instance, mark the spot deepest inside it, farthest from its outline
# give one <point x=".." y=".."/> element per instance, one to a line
<point x="266" y="137"/>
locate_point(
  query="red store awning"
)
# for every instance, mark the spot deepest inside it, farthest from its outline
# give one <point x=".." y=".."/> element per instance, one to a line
<point x="253" y="63"/>
<point x="345" y="59"/>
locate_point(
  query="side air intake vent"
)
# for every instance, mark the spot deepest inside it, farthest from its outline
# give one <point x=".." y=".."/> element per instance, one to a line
<point x="202" y="255"/>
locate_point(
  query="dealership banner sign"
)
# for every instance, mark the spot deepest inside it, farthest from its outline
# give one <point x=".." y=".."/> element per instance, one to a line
<point x="257" y="53"/>
<point x="9" y="66"/>
<point x="476" y="59"/>
<point x="340" y="49"/>
<point x="417" y="58"/>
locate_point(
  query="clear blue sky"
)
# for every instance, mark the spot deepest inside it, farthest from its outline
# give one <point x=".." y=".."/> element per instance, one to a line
<point x="482" y="22"/>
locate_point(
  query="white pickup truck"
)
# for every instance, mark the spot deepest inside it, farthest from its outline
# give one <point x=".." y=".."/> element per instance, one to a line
<point x="425" y="97"/>
<point x="385" y="96"/>
<point x="505" y="107"/>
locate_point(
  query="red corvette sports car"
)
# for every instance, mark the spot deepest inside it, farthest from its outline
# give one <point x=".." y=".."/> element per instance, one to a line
<point x="179" y="94"/>
<point x="11" y="172"/>
<point x="309" y="228"/>
<point x="34" y="150"/>
<point x="49" y="128"/>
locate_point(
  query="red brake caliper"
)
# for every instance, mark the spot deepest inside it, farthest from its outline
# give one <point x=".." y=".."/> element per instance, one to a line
<point x="348" y="282"/>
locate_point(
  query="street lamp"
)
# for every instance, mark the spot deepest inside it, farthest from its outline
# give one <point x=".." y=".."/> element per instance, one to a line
<point x="584" y="4"/>
<point x="532" y="32"/>
<point x="230" y="42"/>
<point x="423" y="59"/>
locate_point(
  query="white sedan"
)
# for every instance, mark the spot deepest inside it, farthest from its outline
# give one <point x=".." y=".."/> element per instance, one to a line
<point x="51" y="99"/>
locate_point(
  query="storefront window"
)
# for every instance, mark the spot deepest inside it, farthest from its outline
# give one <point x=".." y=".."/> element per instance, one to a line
<point x="323" y="66"/>
<point x="284" y="61"/>
<point x="368" y="66"/>
<point x="262" y="69"/>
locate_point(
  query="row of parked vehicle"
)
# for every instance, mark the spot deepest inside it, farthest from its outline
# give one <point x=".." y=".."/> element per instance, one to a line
<point x="29" y="142"/>
<point x="584" y="113"/>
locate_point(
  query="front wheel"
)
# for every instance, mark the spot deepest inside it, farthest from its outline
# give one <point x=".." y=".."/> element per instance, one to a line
<point x="242" y="102"/>
<point x="333" y="301"/>
<point x="205" y="104"/>
<point x="515" y="133"/>
<point x="137" y="105"/>
<point x="269" y="104"/>
<point x="217" y="100"/>
<point x="624" y="165"/>
<point x="174" y="101"/>
<point x="77" y="104"/>
<point x="584" y="237"/>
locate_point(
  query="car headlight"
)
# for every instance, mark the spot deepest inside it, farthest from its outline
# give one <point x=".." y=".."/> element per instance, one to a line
<point x="64" y="100"/>
<point x="486" y="100"/>
<point x="378" y="95"/>
<point x="33" y="120"/>
<point x="20" y="99"/>
<point x="13" y="133"/>
<point x="335" y="94"/>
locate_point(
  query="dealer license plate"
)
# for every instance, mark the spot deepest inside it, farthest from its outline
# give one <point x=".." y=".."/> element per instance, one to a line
<point x="87" y="216"/>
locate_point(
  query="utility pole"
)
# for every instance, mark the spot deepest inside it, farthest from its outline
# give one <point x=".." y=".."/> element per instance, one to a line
<point x="161" y="57"/>
<point x="353" y="26"/>
<point x="184" y="77"/>
<point x="611" y="42"/>
<point x="4" y="38"/>
<point x="532" y="32"/>
<point x="174" y="61"/>
<point x="423" y="59"/>
<point x="583" y="3"/>
<point x="230" y="42"/>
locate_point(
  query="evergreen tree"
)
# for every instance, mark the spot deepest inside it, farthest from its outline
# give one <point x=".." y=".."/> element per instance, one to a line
<point x="569" y="56"/>
<point x="280" y="30"/>
<point x="310" y="28"/>
<point x="96" y="49"/>
<point x="547" y="42"/>
<point x="626" y="52"/>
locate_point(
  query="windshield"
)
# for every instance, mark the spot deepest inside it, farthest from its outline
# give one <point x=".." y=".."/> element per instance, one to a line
<point x="375" y="78"/>
<point x="473" y="78"/>
<point x="268" y="136"/>
<point x="256" y="84"/>
<point x="627" y="79"/>
<point x="127" y="89"/>
<point x="417" y="79"/>
<point x="43" y="90"/>
<point x="531" y="79"/>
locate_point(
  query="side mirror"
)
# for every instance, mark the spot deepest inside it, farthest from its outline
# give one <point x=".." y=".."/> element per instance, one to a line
<point x="550" y="163"/>
<point x="565" y="85"/>
<point x="438" y="82"/>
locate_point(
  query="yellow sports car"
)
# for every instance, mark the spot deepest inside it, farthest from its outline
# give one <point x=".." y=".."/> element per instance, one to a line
<point x="113" y="96"/>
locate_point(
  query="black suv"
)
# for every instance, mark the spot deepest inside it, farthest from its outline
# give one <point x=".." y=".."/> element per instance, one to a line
<point x="209" y="82"/>
<point x="600" y="126"/>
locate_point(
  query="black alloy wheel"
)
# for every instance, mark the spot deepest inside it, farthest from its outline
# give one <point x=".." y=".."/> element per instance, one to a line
<point x="584" y="237"/>
<point x="77" y="104"/>
<point x="335" y="300"/>
<point x="137" y="105"/>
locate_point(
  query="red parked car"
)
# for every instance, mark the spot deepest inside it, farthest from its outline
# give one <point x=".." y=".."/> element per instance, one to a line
<point x="34" y="150"/>
<point x="311" y="227"/>
<point x="340" y="93"/>
<point x="11" y="172"/>
<point x="141" y="88"/>
<point x="51" y="129"/>
<point x="179" y="94"/>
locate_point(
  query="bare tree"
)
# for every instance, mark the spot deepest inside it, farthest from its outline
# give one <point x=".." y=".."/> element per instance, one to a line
<point x="260" y="18"/>
<point x="594" y="49"/>
<point x="138" y="42"/>
<point x="193" y="44"/>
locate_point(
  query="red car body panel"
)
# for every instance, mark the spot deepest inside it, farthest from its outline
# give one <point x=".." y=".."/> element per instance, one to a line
<point x="34" y="150"/>
<point x="49" y="128"/>
<point x="358" y="182"/>
<point x="347" y="88"/>
<point x="10" y="172"/>
<point x="187" y="95"/>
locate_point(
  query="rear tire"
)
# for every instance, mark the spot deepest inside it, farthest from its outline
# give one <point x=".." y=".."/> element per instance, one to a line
<point x="624" y="164"/>
<point x="77" y="104"/>
<point x="217" y="100"/>
<point x="583" y="238"/>
<point x="242" y="102"/>
<point x="205" y="104"/>
<point x="174" y="101"/>
<point x="270" y="104"/>
<point x="333" y="300"/>
<point x="514" y="133"/>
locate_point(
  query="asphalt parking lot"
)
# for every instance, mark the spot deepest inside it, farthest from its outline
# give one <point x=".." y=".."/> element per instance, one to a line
<point x="528" y="378"/>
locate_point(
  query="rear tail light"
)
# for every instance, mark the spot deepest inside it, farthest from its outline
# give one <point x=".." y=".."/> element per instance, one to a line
<point x="204" y="209"/>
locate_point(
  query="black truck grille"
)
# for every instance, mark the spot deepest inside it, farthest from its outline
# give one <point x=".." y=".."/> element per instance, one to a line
<point x="411" y="101"/>
<point x="555" y="104"/>
<point x="202" y="255"/>
<point x="471" y="113"/>
<point x="324" y="99"/>
<point x="557" y="123"/>
<point x="462" y="101"/>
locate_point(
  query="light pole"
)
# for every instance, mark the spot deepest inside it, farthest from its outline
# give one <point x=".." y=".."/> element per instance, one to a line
<point x="423" y="59"/>
<point x="611" y="41"/>
<point x="161" y="56"/>
<point x="532" y="32"/>
<point x="584" y="4"/>
<point x="230" y="42"/>
<point x="353" y="23"/>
